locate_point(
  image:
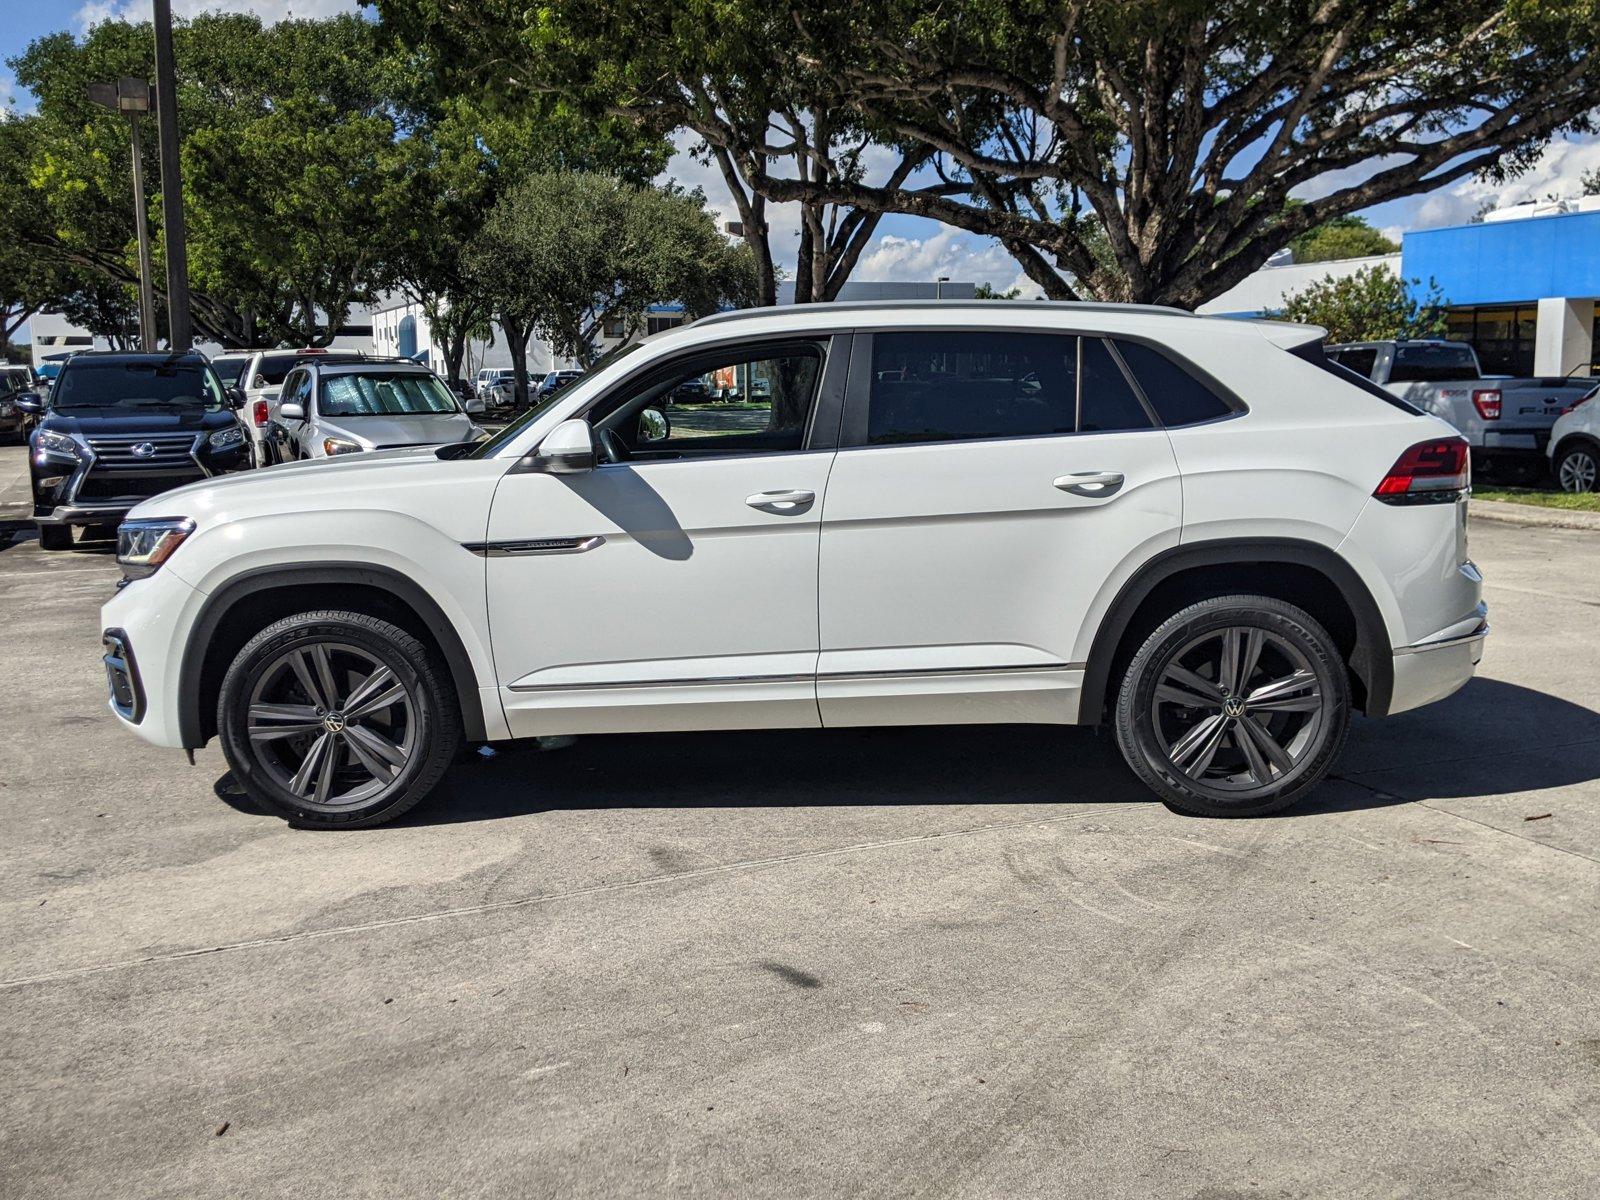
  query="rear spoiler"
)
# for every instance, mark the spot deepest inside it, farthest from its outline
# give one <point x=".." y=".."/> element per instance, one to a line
<point x="1289" y="334"/>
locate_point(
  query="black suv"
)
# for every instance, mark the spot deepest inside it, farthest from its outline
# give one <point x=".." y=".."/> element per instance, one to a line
<point x="120" y="428"/>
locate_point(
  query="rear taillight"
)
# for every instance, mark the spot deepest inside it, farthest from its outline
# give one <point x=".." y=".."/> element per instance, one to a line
<point x="1428" y="473"/>
<point x="258" y="414"/>
<point x="1487" y="402"/>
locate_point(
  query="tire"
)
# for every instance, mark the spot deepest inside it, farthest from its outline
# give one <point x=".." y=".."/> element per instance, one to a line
<point x="55" y="537"/>
<point x="1577" y="468"/>
<point x="371" y="766"/>
<point x="1204" y="757"/>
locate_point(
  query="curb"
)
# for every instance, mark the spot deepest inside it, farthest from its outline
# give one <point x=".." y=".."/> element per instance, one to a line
<point x="1531" y="515"/>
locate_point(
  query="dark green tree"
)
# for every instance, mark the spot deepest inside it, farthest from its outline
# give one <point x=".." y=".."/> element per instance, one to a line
<point x="1371" y="304"/>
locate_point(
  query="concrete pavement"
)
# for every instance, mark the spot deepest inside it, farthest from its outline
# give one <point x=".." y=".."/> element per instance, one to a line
<point x="962" y="962"/>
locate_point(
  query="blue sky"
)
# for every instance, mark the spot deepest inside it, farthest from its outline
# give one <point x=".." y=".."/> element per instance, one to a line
<point x="905" y="247"/>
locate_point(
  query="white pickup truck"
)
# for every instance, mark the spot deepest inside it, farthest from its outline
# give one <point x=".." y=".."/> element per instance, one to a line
<point x="1505" y="420"/>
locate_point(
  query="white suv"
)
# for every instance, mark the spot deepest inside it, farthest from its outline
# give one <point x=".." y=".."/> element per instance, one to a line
<point x="1197" y="529"/>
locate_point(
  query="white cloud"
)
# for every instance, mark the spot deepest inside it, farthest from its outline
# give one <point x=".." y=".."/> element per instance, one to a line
<point x="1556" y="173"/>
<point x="947" y="252"/>
<point x="270" y="11"/>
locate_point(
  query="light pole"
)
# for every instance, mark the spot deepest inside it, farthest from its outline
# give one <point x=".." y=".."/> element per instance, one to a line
<point x="132" y="96"/>
<point x="938" y="287"/>
<point x="178" y="335"/>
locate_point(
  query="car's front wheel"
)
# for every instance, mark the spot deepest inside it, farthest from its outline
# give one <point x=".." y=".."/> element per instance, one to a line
<point x="1235" y="706"/>
<point x="1578" y="468"/>
<point x="337" y="719"/>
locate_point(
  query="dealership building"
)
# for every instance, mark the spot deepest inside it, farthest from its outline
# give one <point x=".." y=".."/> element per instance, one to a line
<point x="1521" y="285"/>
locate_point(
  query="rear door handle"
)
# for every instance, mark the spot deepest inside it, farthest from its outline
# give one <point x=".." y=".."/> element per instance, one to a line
<point x="1097" y="485"/>
<point x="792" y="501"/>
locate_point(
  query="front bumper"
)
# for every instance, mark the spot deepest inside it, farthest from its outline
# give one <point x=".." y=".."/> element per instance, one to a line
<point x="153" y="615"/>
<point x="1441" y="665"/>
<point x="87" y="489"/>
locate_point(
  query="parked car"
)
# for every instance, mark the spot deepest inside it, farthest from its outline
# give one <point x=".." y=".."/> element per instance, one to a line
<point x="1199" y="531"/>
<point x="556" y="381"/>
<point x="488" y="377"/>
<point x="261" y="379"/>
<point x="691" y="391"/>
<point x="503" y="391"/>
<point x="13" y="382"/>
<point x="1575" y="443"/>
<point x="328" y="409"/>
<point x="1505" y="420"/>
<point x="121" y="428"/>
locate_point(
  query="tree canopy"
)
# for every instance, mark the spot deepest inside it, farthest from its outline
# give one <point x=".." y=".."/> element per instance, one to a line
<point x="1342" y="237"/>
<point x="568" y="253"/>
<point x="1370" y="304"/>
<point x="1134" y="149"/>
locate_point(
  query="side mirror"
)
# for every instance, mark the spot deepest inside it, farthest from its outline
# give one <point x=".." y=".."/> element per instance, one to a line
<point x="653" y="426"/>
<point x="234" y="397"/>
<point x="29" y="402"/>
<point x="292" y="412"/>
<point x="568" y="449"/>
<point x="475" y="406"/>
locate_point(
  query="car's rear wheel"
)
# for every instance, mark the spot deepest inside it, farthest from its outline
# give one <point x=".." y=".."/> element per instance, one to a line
<point x="55" y="537"/>
<point x="337" y="719"/>
<point x="1235" y="706"/>
<point x="1578" y="467"/>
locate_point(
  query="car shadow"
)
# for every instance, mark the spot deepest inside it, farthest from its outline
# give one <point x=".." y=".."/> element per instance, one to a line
<point x="1484" y="741"/>
<point x="1492" y="738"/>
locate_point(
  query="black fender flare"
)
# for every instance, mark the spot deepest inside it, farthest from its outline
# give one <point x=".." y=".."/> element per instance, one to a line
<point x="1372" y="658"/>
<point x="404" y="589"/>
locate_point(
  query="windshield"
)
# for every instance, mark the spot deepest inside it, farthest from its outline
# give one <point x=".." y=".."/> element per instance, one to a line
<point x="372" y="394"/>
<point x="1433" y="364"/>
<point x="229" y="369"/>
<point x="489" y="446"/>
<point x="89" y="384"/>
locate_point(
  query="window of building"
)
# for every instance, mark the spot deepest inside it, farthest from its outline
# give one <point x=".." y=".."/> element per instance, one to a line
<point x="1502" y="335"/>
<point x="1177" y="396"/>
<point x="662" y="324"/>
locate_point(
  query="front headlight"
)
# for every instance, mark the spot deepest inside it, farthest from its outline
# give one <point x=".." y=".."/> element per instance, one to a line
<point x="143" y="545"/>
<point x="56" y="443"/>
<point x="226" y="439"/>
<point x="332" y="446"/>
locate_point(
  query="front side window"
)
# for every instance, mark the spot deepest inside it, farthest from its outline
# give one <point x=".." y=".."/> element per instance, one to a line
<point x="751" y="402"/>
<point x="372" y="394"/>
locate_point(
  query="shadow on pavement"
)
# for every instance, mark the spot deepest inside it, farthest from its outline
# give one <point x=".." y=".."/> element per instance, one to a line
<point x="1001" y="764"/>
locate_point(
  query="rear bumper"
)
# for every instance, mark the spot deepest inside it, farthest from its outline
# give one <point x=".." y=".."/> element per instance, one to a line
<point x="1439" y="666"/>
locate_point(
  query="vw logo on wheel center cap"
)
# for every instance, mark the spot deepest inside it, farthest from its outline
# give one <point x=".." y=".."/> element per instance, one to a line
<point x="333" y="722"/>
<point x="1233" y="707"/>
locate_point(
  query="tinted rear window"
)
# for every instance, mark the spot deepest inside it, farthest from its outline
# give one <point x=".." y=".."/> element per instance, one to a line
<point x="1108" y="401"/>
<point x="1177" y="396"/>
<point x="944" y="387"/>
<point x="1433" y="364"/>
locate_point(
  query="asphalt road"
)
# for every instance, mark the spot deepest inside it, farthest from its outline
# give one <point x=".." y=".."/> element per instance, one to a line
<point x="961" y="962"/>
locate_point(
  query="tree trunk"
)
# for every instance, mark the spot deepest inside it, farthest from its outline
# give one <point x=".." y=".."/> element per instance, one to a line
<point x="517" y="333"/>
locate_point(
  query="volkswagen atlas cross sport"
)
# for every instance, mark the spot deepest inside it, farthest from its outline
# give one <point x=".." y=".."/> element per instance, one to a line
<point x="1197" y="530"/>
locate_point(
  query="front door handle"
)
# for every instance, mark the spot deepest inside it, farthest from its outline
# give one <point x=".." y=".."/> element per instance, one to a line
<point x="1097" y="485"/>
<point x="792" y="501"/>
